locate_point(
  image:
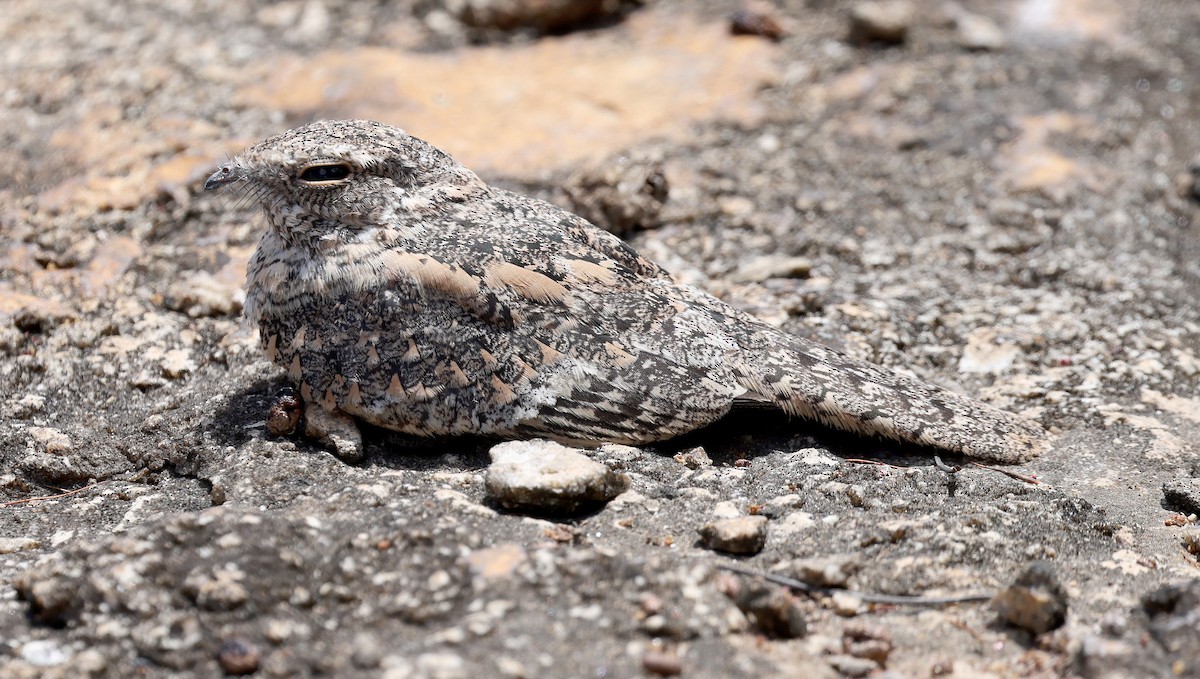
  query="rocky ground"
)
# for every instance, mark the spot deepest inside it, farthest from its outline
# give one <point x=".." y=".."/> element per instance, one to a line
<point x="996" y="196"/>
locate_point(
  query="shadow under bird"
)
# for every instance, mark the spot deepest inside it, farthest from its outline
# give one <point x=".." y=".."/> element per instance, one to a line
<point x="397" y="288"/>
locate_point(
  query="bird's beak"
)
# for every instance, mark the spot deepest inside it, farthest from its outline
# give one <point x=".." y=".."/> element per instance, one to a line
<point x="226" y="174"/>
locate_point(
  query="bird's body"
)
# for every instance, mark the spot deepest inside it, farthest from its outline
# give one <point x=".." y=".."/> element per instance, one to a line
<point x="397" y="288"/>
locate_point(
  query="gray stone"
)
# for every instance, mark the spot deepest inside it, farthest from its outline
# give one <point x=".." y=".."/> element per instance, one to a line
<point x="772" y="610"/>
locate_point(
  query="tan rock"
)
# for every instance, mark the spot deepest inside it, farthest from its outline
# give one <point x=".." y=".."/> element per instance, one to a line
<point x="177" y="362"/>
<point x="496" y="562"/>
<point x="881" y="20"/>
<point x="526" y="110"/>
<point x="51" y="440"/>
<point x="739" y="535"/>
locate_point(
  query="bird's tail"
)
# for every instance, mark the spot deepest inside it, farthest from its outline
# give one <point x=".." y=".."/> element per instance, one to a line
<point x="815" y="382"/>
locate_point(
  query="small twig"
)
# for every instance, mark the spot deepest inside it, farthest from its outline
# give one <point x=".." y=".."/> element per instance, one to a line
<point x="949" y="469"/>
<point x="65" y="493"/>
<point x="877" y="463"/>
<point x="1014" y="475"/>
<point x="898" y="599"/>
<point x="937" y="462"/>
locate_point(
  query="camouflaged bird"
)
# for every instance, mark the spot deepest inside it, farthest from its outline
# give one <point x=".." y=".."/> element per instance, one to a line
<point x="398" y="288"/>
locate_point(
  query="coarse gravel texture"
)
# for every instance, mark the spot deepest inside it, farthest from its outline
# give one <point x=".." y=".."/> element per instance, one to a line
<point x="1013" y="217"/>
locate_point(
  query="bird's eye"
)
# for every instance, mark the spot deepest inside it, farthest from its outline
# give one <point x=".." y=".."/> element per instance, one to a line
<point x="327" y="173"/>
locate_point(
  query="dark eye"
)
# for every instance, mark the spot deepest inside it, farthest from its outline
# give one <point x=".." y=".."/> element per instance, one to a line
<point x="325" y="173"/>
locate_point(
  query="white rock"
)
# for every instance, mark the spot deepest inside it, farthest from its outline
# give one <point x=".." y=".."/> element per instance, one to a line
<point x="44" y="653"/>
<point x="177" y="362"/>
<point x="548" y="476"/>
<point x="977" y="32"/>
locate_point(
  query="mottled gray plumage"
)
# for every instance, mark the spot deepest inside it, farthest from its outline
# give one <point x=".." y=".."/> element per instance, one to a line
<point x="398" y="288"/>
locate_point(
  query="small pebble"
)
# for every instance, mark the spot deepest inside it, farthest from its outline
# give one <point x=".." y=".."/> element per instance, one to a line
<point x="662" y="663"/>
<point x="825" y="571"/>
<point x="845" y="604"/>
<point x="44" y="653"/>
<point x="739" y="535"/>
<point x="239" y="656"/>
<point x="977" y="32"/>
<point x="497" y="562"/>
<point x="886" y="21"/>
<point x="11" y="545"/>
<point x="987" y="351"/>
<point x="366" y="651"/>
<point x="650" y="603"/>
<point x="871" y="642"/>
<point x="694" y="458"/>
<point x="1035" y="601"/>
<point x="757" y="18"/>
<point x="176" y="363"/>
<point x="51" y="440"/>
<point x="511" y="667"/>
<point x="772" y="610"/>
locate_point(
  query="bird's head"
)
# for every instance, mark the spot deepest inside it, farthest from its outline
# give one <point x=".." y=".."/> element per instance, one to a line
<point x="335" y="179"/>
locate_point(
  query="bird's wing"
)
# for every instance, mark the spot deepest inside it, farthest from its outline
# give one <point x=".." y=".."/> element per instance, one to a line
<point x="587" y="335"/>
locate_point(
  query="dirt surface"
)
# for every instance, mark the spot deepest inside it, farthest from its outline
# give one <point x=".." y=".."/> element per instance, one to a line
<point x="1011" y="213"/>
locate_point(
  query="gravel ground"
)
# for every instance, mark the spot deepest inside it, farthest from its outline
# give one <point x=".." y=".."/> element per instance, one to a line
<point x="999" y="197"/>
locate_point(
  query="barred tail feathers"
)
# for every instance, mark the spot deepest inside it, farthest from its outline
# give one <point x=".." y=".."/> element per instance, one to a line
<point x="814" y="382"/>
